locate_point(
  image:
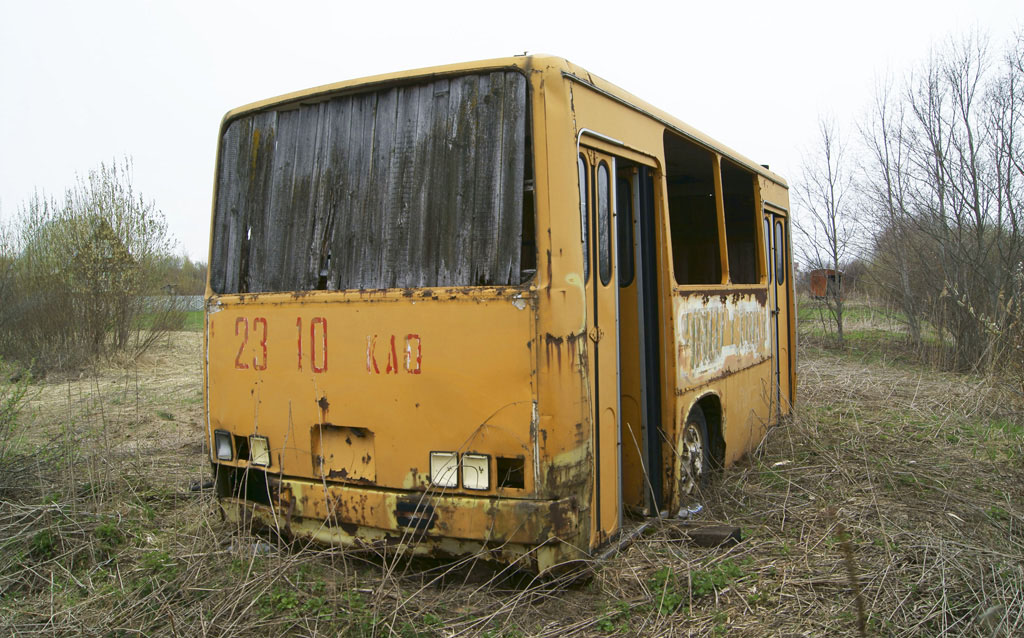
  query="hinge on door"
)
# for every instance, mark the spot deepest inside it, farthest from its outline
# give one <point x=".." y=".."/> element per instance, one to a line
<point x="595" y="334"/>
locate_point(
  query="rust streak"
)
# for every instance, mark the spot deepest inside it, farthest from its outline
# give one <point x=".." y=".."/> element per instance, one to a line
<point x="555" y="343"/>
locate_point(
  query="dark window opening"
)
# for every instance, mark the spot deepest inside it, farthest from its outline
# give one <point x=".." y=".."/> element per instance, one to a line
<point x="768" y="249"/>
<point x="528" y="251"/>
<point x="511" y="472"/>
<point x="693" y="216"/>
<point x="740" y="223"/>
<point x="528" y="242"/>
<point x="624" y="230"/>
<point x="422" y="184"/>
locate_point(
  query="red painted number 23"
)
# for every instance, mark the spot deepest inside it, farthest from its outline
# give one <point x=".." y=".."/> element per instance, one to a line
<point x="259" y="324"/>
<point x="317" y="343"/>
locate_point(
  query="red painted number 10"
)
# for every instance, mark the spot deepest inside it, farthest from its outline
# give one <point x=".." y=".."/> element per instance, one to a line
<point x="317" y="347"/>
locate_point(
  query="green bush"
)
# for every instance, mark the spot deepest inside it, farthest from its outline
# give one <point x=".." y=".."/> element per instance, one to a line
<point x="82" y="277"/>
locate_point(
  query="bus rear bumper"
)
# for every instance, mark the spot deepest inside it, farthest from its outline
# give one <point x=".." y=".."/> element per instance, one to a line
<point x="540" y="533"/>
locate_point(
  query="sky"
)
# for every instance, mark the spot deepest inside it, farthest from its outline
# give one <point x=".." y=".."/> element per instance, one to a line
<point x="83" y="83"/>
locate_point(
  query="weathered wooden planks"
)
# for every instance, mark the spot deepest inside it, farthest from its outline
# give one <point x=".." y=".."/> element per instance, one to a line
<point x="414" y="185"/>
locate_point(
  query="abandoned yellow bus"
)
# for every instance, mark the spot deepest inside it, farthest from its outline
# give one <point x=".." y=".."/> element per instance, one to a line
<point x="487" y="308"/>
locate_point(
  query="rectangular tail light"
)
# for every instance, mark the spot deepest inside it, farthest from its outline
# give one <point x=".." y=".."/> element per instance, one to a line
<point x="222" y="445"/>
<point x="444" y="469"/>
<point x="476" y="471"/>
<point x="259" y="450"/>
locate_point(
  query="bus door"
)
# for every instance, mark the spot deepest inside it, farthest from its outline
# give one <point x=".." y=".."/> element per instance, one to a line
<point x="777" y="254"/>
<point x="597" y="184"/>
<point x="639" y="363"/>
<point x="622" y="327"/>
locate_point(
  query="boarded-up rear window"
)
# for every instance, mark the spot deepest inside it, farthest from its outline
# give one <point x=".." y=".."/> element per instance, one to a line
<point x="408" y="186"/>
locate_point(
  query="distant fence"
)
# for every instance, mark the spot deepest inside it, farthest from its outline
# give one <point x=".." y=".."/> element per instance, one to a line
<point x="187" y="303"/>
<point x="192" y="302"/>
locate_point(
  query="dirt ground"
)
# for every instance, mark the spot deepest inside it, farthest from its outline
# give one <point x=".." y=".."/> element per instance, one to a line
<point x="891" y="504"/>
<point x="150" y="409"/>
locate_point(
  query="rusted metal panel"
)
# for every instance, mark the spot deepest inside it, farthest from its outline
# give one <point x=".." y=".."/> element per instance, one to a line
<point x="718" y="334"/>
<point x="342" y="453"/>
<point x="407" y="186"/>
<point x="360" y="387"/>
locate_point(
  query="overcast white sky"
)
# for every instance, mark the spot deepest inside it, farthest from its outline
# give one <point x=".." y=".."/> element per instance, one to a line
<point x="84" y="82"/>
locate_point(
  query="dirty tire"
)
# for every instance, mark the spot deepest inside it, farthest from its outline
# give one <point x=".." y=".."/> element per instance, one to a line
<point x="694" y="457"/>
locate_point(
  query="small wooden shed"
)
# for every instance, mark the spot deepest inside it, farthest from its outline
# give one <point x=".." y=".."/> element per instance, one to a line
<point x="826" y="282"/>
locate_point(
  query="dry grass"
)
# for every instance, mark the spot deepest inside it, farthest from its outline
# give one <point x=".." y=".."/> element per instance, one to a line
<point x="911" y="481"/>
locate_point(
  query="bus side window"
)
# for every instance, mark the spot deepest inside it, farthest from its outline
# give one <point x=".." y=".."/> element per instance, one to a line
<point x="693" y="215"/>
<point x="740" y="222"/>
<point x="768" y="248"/>
<point x="584" y="215"/>
<point x="780" y="253"/>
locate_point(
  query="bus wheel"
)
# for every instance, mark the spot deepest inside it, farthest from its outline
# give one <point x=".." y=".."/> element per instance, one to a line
<point x="694" y="456"/>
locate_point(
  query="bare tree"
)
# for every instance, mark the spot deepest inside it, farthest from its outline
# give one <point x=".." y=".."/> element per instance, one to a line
<point x="886" y="190"/>
<point x="824" y="193"/>
<point x="942" y="185"/>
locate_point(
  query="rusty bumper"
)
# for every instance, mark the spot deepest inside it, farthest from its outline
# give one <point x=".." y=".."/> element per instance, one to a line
<point x="429" y="523"/>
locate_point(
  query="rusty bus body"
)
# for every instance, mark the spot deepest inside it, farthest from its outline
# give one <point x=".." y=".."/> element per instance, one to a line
<point x="486" y="307"/>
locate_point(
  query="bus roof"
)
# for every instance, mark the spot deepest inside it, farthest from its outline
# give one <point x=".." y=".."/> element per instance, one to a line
<point x="569" y="70"/>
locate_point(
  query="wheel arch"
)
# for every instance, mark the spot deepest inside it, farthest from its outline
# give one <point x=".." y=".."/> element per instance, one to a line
<point x="710" y="404"/>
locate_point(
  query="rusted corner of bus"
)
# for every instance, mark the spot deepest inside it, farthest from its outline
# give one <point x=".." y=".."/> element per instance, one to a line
<point x="570" y="470"/>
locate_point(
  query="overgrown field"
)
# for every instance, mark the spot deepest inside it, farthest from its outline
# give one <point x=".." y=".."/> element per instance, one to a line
<point x="891" y="479"/>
